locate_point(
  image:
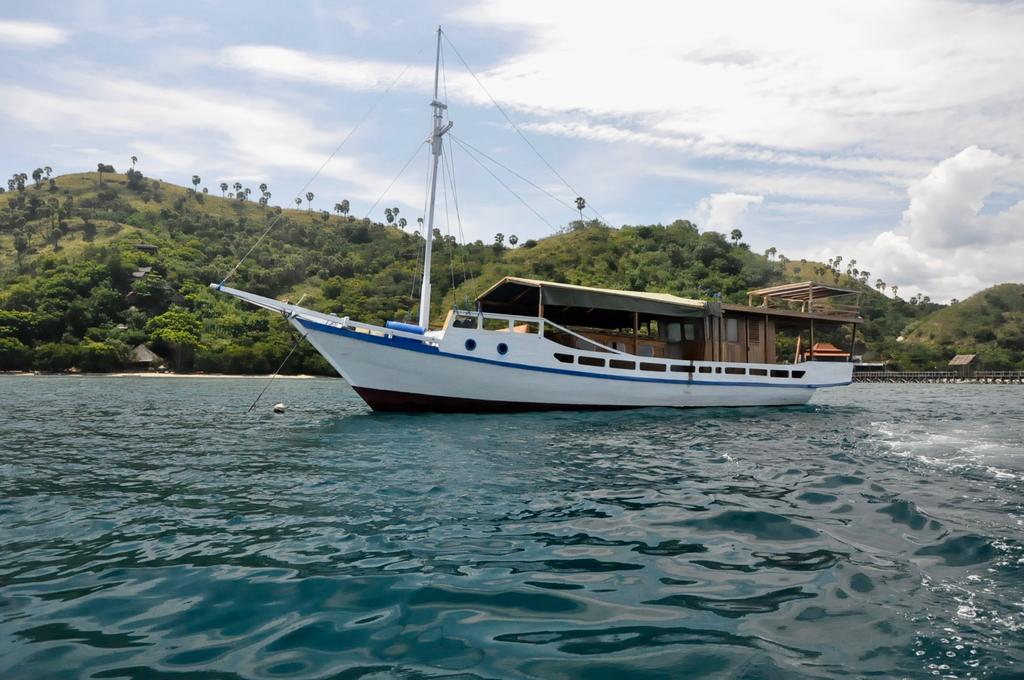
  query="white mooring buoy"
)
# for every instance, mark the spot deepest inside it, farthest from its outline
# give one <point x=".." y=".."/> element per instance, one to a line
<point x="279" y="407"/>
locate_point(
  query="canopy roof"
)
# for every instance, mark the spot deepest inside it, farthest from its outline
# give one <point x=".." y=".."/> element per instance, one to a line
<point x="515" y="295"/>
<point x="962" y="359"/>
<point x="802" y="292"/>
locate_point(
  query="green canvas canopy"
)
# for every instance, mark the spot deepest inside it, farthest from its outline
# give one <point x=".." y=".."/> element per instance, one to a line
<point x="514" y="295"/>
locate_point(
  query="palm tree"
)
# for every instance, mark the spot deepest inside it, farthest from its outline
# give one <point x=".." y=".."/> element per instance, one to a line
<point x="736" y="235"/>
<point x="100" y="168"/>
<point x="298" y="201"/>
<point x="880" y="285"/>
<point x="513" y="240"/>
<point x="402" y="223"/>
<point x="223" y="188"/>
<point x="263" y="187"/>
<point x="134" y="161"/>
<point x="770" y="253"/>
<point x="394" y="211"/>
<point x="195" y="182"/>
<point x="237" y="186"/>
<point x="48" y="170"/>
<point x="389" y="215"/>
<point x="309" y="200"/>
<point x="246" y="193"/>
<point x="499" y="240"/>
<point x="344" y="207"/>
<point x="337" y="208"/>
<point x="37" y="176"/>
<point x="895" y="292"/>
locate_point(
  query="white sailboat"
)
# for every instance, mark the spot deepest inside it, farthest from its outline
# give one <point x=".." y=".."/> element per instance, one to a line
<point x="541" y="345"/>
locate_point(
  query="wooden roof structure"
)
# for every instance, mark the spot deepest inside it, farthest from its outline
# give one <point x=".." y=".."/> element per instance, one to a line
<point x="144" y="355"/>
<point x="570" y="303"/>
<point x="810" y="297"/>
<point x="801" y="292"/>
<point x="962" y="359"/>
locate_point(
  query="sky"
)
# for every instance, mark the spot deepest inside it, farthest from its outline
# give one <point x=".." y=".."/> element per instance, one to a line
<point x="888" y="132"/>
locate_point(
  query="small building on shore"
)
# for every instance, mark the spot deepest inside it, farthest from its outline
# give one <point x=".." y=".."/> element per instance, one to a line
<point x="964" y="364"/>
<point x="144" y="358"/>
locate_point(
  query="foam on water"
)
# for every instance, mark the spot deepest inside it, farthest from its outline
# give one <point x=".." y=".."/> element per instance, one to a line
<point x="150" y="529"/>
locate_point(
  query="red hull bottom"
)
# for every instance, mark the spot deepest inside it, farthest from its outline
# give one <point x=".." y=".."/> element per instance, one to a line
<point x="404" y="402"/>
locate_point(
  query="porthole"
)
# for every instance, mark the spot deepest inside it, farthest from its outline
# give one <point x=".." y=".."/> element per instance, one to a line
<point x="471" y="344"/>
<point x="502" y="348"/>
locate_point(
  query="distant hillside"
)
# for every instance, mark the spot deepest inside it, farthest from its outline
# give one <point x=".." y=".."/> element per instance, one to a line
<point x="93" y="265"/>
<point x="989" y="323"/>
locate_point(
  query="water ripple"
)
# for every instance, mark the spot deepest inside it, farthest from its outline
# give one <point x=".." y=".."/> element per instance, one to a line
<point x="153" y="530"/>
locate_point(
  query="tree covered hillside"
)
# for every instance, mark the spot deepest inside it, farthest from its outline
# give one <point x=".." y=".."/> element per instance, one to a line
<point x="94" y="264"/>
<point x="989" y="323"/>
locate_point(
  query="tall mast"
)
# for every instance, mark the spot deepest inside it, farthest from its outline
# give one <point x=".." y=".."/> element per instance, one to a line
<point x="436" y="133"/>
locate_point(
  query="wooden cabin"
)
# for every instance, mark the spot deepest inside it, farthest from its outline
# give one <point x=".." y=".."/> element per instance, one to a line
<point x="671" y="327"/>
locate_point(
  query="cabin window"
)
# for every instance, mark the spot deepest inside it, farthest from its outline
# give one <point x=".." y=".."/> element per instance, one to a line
<point x="619" y="363"/>
<point x="754" y="333"/>
<point x="683" y="368"/>
<point x="798" y="374"/>
<point x="735" y="370"/>
<point x="758" y="371"/>
<point x="718" y="369"/>
<point x="464" y="321"/>
<point x="704" y="369"/>
<point x="496" y="325"/>
<point x="690" y="332"/>
<point x="646" y="351"/>
<point x="675" y="331"/>
<point x="732" y="330"/>
<point x="590" y="361"/>
<point x="502" y="348"/>
<point x="647" y="366"/>
<point x="470" y="344"/>
<point x="564" y="358"/>
<point x="779" y="374"/>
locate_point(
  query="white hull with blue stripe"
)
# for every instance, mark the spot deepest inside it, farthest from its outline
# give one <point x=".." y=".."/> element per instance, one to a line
<point x="475" y="369"/>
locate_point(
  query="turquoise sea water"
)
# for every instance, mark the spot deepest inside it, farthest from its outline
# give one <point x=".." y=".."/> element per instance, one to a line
<point x="150" y="529"/>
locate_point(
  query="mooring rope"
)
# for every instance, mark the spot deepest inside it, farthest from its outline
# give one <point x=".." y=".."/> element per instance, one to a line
<point x="323" y="165"/>
<point x="265" y="387"/>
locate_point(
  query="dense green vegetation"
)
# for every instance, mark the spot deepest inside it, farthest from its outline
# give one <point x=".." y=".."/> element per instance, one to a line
<point x="81" y="283"/>
<point x="989" y="324"/>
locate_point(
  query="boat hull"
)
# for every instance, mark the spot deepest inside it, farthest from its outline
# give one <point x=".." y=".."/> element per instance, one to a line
<point x="399" y="374"/>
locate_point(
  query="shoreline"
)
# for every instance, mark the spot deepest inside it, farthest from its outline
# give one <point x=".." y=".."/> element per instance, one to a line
<point x="266" y="376"/>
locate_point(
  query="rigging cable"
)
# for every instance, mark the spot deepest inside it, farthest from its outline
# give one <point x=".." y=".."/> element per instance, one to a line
<point x="324" y="164"/>
<point x="449" y="158"/>
<point x="448" y="222"/>
<point x="400" y="173"/>
<point x="514" y="126"/>
<point x="286" y="358"/>
<point x="513" y="172"/>
<point x="458" y="216"/>
<point x="419" y="251"/>
<point x="507" y="187"/>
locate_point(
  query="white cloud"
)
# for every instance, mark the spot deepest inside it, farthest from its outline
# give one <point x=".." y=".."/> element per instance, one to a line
<point x="213" y="132"/>
<point x="30" y="34"/>
<point x="946" y="244"/>
<point x="721" y="212"/>
<point x="944" y="206"/>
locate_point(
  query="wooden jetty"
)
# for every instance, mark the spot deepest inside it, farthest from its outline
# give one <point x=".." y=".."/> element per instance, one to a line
<point x="986" y="377"/>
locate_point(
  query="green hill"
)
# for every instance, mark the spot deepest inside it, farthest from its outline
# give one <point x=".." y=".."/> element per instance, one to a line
<point x="92" y="265"/>
<point x="989" y="323"/>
